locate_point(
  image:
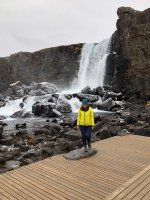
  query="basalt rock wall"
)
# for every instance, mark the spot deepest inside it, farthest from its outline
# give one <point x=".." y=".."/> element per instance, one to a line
<point x="128" y="65"/>
<point x="58" y="65"/>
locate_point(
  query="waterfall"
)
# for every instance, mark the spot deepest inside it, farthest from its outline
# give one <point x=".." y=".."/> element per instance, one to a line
<point x="92" y="65"/>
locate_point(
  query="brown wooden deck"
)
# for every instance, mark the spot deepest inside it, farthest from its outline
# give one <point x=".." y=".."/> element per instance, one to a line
<point x="118" y="160"/>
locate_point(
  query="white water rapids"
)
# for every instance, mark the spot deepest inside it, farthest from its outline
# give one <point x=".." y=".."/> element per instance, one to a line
<point x="91" y="73"/>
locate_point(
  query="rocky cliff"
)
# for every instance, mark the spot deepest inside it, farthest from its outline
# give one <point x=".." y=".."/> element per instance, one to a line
<point x="58" y="65"/>
<point x="128" y="65"/>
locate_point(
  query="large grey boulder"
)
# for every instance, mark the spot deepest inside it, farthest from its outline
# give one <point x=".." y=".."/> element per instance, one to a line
<point x="86" y="90"/>
<point x="79" y="154"/>
<point x="63" y="105"/>
<point x="11" y="164"/>
<point x="18" y="114"/>
<point x="105" y="105"/>
<point x="44" y="109"/>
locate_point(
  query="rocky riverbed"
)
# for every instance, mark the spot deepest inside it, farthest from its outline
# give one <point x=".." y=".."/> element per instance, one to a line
<point x="49" y="128"/>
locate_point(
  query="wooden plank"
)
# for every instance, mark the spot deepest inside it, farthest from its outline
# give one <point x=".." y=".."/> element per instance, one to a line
<point x="22" y="189"/>
<point x="146" y="196"/>
<point x="11" y="190"/>
<point x="137" y="189"/>
<point x="81" y="191"/>
<point x="61" y="178"/>
<point x="116" y="193"/>
<point x="143" y="192"/>
<point x="37" y="187"/>
<point x="72" y="187"/>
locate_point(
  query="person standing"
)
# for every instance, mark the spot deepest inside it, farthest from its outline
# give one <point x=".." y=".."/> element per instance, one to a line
<point x="85" y="122"/>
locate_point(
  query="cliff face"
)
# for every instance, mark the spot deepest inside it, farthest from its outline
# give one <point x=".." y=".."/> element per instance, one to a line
<point x="58" y="65"/>
<point x="128" y="65"/>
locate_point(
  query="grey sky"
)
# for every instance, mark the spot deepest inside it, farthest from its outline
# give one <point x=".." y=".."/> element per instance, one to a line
<point x="30" y="25"/>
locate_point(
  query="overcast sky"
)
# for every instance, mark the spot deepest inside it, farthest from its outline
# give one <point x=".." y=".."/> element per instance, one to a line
<point x="30" y="25"/>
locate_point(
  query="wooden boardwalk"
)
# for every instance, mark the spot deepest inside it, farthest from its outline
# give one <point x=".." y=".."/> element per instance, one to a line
<point x="118" y="160"/>
<point x="136" y="189"/>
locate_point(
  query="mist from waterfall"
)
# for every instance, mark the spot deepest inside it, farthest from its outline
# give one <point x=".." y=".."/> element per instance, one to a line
<point x="92" y="65"/>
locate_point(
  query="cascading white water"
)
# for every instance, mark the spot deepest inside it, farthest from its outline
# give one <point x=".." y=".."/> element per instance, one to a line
<point x="91" y="73"/>
<point x="92" y="65"/>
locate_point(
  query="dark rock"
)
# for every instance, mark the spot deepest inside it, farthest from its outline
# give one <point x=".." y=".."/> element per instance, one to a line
<point x="69" y="123"/>
<point x="106" y="87"/>
<point x="144" y="131"/>
<point x="2" y="160"/>
<point x="90" y="97"/>
<point x="99" y="91"/>
<point x="115" y="108"/>
<point x="43" y="109"/>
<point x="27" y="162"/>
<point x="23" y="125"/>
<point x="86" y="90"/>
<point x="104" y="133"/>
<point x="112" y="95"/>
<point x="2" y="117"/>
<point x="105" y="105"/>
<point x="31" y="139"/>
<point x="45" y="152"/>
<point x="21" y="105"/>
<point x="130" y="119"/>
<point x="18" y="114"/>
<point x="1" y="131"/>
<point x="29" y="154"/>
<point x="72" y="135"/>
<point x="68" y="96"/>
<point x="21" y="134"/>
<point x="27" y="115"/>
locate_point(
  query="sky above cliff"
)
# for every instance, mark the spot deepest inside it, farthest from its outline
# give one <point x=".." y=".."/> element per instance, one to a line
<point x="30" y="25"/>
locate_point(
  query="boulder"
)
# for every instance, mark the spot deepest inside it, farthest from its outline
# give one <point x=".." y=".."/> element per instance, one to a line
<point x="105" y="105"/>
<point x="18" y="91"/>
<point x="63" y="105"/>
<point x="99" y="91"/>
<point x="86" y="90"/>
<point x="104" y="133"/>
<point x="2" y="117"/>
<point x="72" y="135"/>
<point x="79" y="154"/>
<point x="18" y="114"/>
<point x="144" y="131"/>
<point x="90" y="97"/>
<point x="27" y="115"/>
<point x="23" y="125"/>
<point x="11" y="164"/>
<point x="130" y="119"/>
<point x="43" y="109"/>
<point x="31" y="139"/>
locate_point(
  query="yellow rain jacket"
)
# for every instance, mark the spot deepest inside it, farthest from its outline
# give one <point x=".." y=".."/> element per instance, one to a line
<point x="85" y="118"/>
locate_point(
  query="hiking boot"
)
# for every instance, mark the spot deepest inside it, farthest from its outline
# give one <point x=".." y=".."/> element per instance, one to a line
<point x="89" y="145"/>
<point x="85" y="148"/>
